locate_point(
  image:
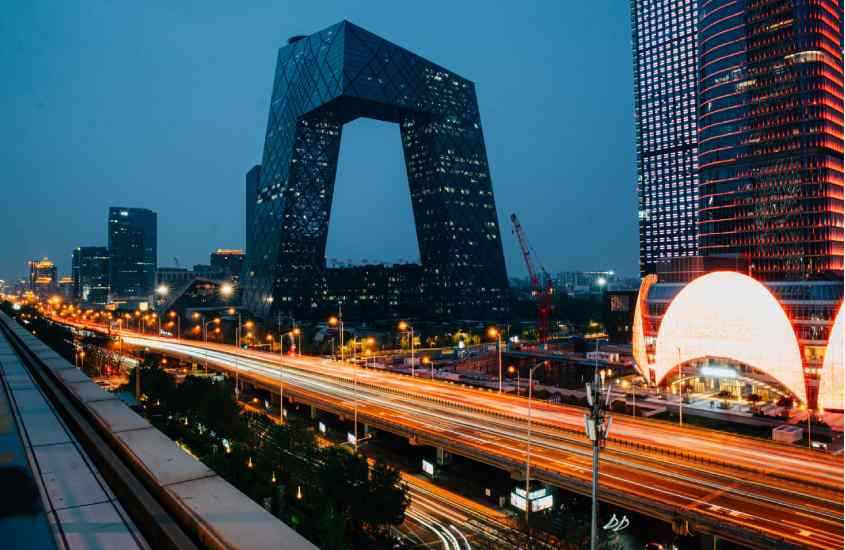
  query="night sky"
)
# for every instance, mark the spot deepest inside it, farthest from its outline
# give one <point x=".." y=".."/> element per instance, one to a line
<point x="163" y="105"/>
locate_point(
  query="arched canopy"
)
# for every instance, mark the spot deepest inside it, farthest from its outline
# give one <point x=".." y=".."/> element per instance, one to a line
<point x="729" y="315"/>
<point x="638" y="331"/>
<point x="831" y="386"/>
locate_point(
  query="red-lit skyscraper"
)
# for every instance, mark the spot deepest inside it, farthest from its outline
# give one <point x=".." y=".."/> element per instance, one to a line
<point x="770" y="123"/>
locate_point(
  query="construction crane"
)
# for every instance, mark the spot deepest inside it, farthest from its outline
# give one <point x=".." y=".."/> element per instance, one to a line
<point x="541" y="290"/>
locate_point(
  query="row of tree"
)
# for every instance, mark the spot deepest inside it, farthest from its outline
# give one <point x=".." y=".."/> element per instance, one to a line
<point x="329" y="494"/>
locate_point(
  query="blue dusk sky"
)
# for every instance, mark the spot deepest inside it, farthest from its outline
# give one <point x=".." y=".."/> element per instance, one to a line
<point x="163" y="105"/>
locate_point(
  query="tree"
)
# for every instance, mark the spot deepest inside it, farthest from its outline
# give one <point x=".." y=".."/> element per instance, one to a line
<point x="388" y="496"/>
<point x="156" y="383"/>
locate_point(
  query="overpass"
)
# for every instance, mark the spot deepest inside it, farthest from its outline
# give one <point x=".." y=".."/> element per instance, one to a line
<point x="750" y="491"/>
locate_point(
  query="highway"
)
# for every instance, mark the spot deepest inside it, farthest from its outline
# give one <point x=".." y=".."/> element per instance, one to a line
<point x="750" y="491"/>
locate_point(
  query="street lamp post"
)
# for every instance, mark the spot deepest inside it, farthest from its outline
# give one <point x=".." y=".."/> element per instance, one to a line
<point x="634" y="387"/>
<point x="513" y="370"/>
<point x="205" y="325"/>
<point x="625" y="385"/>
<point x="405" y="327"/>
<point x="681" y="388"/>
<point x="528" y="443"/>
<point x="298" y="333"/>
<point x="497" y="334"/>
<point x="178" y="318"/>
<point x="809" y="428"/>
<point x="338" y="321"/>
<point x="355" y="402"/>
<point x="247" y="324"/>
<point x="281" y="380"/>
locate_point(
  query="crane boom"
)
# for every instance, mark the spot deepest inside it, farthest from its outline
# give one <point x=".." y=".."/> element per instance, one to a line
<point x="526" y="252"/>
<point x="542" y="292"/>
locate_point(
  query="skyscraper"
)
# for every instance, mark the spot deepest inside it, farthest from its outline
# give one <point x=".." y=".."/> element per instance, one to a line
<point x="664" y="34"/>
<point x="90" y="272"/>
<point x="770" y="119"/>
<point x="132" y="252"/>
<point x="333" y="77"/>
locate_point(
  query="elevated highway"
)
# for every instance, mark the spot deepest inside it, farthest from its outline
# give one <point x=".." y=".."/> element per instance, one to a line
<point x="750" y="491"/>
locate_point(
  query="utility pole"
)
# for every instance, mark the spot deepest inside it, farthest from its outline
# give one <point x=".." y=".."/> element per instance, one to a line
<point x="597" y="425"/>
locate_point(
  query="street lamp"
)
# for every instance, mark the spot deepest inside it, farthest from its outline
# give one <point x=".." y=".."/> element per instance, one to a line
<point x="173" y="315"/>
<point x="205" y="325"/>
<point x="681" y="388"/>
<point x="281" y="376"/>
<point x="513" y="370"/>
<point x="427" y="361"/>
<point x="338" y="322"/>
<point x="528" y="442"/>
<point x="162" y="290"/>
<point x="493" y="332"/>
<point x="633" y="386"/>
<point x="226" y="289"/>
<point x="405" y="327"/>
<point x="298" y="333"/>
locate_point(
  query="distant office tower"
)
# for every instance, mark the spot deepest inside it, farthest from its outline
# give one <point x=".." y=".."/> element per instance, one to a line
<point x="333" y="77"/>
<point x="43" y="277"/>
<point x="665" y="61"/>
<point x="90" y="272"/>
<point x="65" y="287"/>
<point x="228" y="261"/>
<point x="770" y="119"/>
<point x="253" y="180"/>
<point x="132" y="252"/>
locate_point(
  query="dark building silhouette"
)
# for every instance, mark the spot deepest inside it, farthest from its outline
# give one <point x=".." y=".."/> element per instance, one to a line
<point x="132" y="253"/>
<point x="228" y="261"/>
<point x="770" y="121"/>
<point x="253" y="179"/>
<point x="375" y="291"/>
<point x="664" y="39"/>
<point x="90" y="272"/>
<point x="330" y="78"/>
<point x="618" y="314"/>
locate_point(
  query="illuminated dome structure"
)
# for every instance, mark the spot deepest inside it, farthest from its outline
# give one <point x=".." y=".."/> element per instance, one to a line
<point x="639" y="348"/>
<point x="733" y="322"/>
<point x="832" y="384"/>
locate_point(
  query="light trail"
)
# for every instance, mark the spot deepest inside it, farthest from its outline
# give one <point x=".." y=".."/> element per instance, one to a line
<point x="751" y="484"/>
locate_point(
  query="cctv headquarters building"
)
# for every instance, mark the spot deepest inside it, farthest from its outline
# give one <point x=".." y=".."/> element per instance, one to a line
<point x="332" y="77"/>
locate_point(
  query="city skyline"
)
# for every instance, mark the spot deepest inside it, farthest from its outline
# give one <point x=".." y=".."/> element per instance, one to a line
<point x="144" y="151"/>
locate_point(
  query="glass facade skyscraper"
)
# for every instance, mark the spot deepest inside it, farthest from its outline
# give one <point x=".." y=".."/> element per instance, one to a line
<point x="664" y="36"/>
<point x="90" y="272"/>
<point x="132" y="253"/>
<point x="330" y="78"/>
<point x="771" y="122"/>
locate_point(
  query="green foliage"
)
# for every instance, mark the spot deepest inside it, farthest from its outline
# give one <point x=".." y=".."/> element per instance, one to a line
<point x="328" y="494"/>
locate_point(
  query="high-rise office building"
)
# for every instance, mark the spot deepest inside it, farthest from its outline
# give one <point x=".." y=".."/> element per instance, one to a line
<point x="43" y="277"/>
<point x="253" y="180"/>
<point x="335" y="76"/>
<point x="90" y="272"/>
<point x="664" y="34"/>
<point x="770" y="120"/>
<point x="132" y="253"/>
